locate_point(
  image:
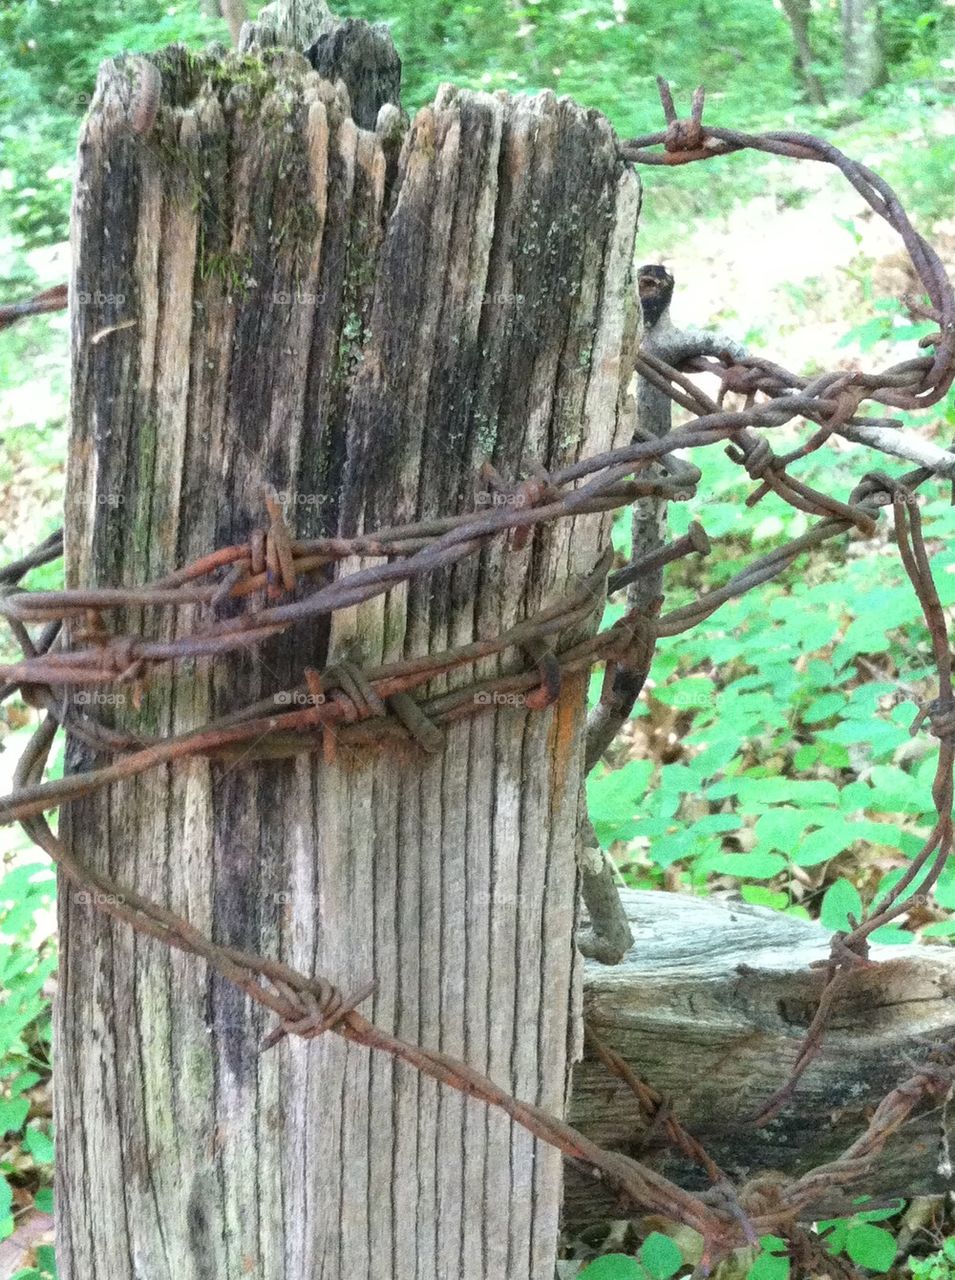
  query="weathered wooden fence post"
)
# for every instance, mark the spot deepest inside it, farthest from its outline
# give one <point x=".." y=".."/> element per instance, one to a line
<point x="265" y="294"/>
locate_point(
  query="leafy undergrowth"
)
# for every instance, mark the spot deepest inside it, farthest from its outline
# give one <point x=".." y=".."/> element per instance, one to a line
<point x="897" y="1241"/>
<point x="771" y="753"/>
<point x="27" y="964"/>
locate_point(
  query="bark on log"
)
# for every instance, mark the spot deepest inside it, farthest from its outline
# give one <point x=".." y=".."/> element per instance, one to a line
<point x="357" y="330"/>
<point x="711" y="1006"/>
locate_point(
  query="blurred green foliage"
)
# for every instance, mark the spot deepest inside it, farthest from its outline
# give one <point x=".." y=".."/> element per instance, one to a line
<point x="856" y="1238"/>
<point x="49" y="54"/>
<point x="658" y="1259"/>
<point x="26" y="965"/>
<point x="605" y="53"/>
<point x="937" y="1266"/>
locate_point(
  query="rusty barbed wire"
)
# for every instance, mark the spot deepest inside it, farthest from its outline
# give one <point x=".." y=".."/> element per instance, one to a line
<point x="124" y="660"/>
<point x="656" y="1111"/>
<point x="375" y="706"/>
<point x="912" y="384"/>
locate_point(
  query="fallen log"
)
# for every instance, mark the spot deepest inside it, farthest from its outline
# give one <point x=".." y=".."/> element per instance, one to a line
<point x="710" y="1006"/>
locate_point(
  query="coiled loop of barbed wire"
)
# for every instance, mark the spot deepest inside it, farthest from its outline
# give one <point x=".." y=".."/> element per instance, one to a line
<point x="375" y="705"/>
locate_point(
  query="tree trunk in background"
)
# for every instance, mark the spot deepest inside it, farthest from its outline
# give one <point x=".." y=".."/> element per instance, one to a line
<point x="798" y="12"/>
<point x="862" y="55"/>
<point x="358" y="328"/>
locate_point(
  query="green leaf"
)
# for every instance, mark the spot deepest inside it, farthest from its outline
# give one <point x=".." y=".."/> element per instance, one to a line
<point x="671" y="847"/>
<point x="680" y="779"/>
<point x="767" y="677"/>
<point x="716" y="754"/>
<point x="31" y="878"/>
<point x="831" y="754"/>
<point x="892" y="935"/>
<point x="780" y="828"/>
<point x="724" y="789"/>
<point x="945" y="888"/>
<point x="788" y="791"/>
<point x="841" y="900"/>
<point x="824" y="707"/>
<point x="667" y="802"/>
<point x="692" y="693"/>
<point x="46" y="1260"/>
<point x="20" y="918"/>
<point x="877" y="734"/>
<point x="877" y="1215"/>
<point x="870" y="1246"/>
<point x="838" y="1229"/>
<point x="613" y="1266"/>
<point x="940" y="929"/>
<point x="760" y="896"/>
<point x="16" y="961"/>
<point x="820" y="846"/>
<point x="896" y="792"/>
<point x="773" y="1244"/>
<point x="616" y="797"/>
<point x="25" y="1080"/>
<point x="716" y="823"/>
<point x="768" y="1266"/>
<point x="884" y="834"/>
<point x="43" y="1200"/>
<point x="660" y="1255"/>
<point x="924" y="775"/>
<point x="13" y="1112"/>
<point x="39" y="1145"/>
<point x="806" y="756"/>
<point x="892" y="878"/>
<point x="757" y="866"/>
<point x="653" y="828"/>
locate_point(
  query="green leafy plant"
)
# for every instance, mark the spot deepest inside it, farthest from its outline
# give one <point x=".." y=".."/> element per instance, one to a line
<point x="25" y="1027"/>
<point x="937" y="1266"/>
<point x="658" y="1258"/>
<point x="45" y="1268"/>
<point x="796" y="766"/>
<point x="771" y="1263"/>
<point x="860" y="1240"/>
